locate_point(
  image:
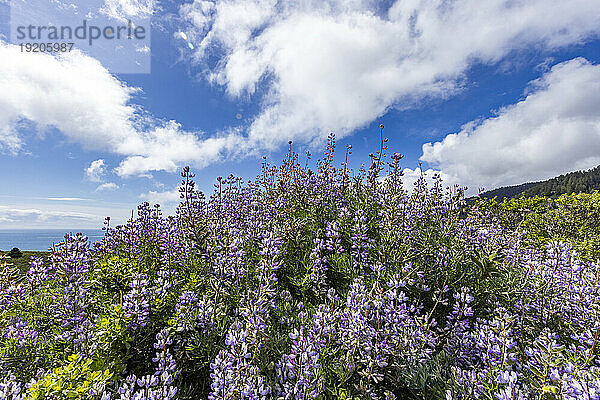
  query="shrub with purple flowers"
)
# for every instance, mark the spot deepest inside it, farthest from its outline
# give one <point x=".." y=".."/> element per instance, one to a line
<point x="311" y="283"/>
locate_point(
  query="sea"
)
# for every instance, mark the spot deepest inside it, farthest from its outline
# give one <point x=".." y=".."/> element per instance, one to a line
<point x="41" y="239"/>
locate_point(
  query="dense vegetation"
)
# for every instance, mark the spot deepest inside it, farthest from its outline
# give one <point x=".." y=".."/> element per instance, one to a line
<point x="574" y="219"/>
<point x="314" y="284"/>
<point x="15" y="253"/>
<point x="573" y="182"/>
<point x="23" y="263"/>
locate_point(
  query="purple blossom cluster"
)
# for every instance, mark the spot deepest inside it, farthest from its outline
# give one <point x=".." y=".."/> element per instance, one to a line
<point x="21" y="333"/>
<point x="193" y="313"/>
<point x="38" y="272"/>
<point x="136" y="302"/>
<point x="233" y="374"/>
<point x="156" y="386"/>
<point x="298" y="372"/>
<point x="10" y="388"/>
<point x="361" y="243"/>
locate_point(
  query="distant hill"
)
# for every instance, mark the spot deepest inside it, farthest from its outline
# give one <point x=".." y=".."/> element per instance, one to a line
<point x="509" y="191"/>
<point x="573" y="182"/>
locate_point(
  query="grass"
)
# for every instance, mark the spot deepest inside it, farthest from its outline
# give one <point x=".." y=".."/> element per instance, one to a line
<point x="22" y="263"/>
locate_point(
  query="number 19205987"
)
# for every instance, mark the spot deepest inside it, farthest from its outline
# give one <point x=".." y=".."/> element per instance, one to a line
<point x="51" y="47"/>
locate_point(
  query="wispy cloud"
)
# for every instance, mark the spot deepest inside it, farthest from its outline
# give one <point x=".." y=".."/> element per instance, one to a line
<point x="60" y="215"/>
<point x="124" y="9"/>
<point x="107" y="187"/>
<point x="168" y="200"/>
<point x="33" y="217"/>
<point x="166" y="197"/>
<point x="66" y="199"/>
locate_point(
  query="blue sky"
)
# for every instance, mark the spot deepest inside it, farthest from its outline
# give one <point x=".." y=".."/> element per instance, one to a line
<point x="488" y="94"/>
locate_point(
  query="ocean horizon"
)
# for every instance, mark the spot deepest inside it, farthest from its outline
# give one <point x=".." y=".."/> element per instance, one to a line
<point x="41" y="239"/>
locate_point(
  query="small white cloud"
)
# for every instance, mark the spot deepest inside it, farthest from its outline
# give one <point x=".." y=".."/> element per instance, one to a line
<point x="167" y="146"/>
<point x="162" y="198"/>
<point x="144" y="49"/>
<point x="168" y="200"/>
<point x="107" y="187"/>
<point x="95" y="171"/>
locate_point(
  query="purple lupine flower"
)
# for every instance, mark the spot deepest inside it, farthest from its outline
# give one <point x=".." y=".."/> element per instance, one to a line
<point x="11" y="295"/>
<point x="319" y="266"/>
<point x="11" y="389"/>
<point x="333" y="243"/>
<point x="233" y="374"/>
<point x="37" y="272"/>
<point x="71" y="312"/>
<point x="21" y="333"/>
<point x="268" y="266"/>
<point x="157" y="386"/>
<point x="192" y="313"/>
<point x="163" y="282"/>
<point x="361" y="243"/>
<point x="136" y="302"/>
<point x="72" y="257"/>
<point x="298" y="372"/>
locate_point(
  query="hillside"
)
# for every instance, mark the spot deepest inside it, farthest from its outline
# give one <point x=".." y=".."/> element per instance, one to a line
<point x="509" y="191"/>
<point x="573" y="182"/>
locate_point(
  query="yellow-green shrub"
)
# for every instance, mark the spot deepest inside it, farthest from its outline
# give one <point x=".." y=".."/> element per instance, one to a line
<point x="75" y="380"/>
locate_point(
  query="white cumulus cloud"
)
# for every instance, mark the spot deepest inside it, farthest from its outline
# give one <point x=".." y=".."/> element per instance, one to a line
<point x="335" y="65"/>
<point x="72" y="92"/>
<point x="411" y="176"/>
<point x="555" y="129"/>
<point x="162" y="198"/>
<point x="168" y="200"/>
<point x="77" y="95"/>
<point x="322" y="66"/>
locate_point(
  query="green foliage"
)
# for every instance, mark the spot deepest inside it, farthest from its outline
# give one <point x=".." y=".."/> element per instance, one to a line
<point x="15" y="253"/>
<point x="509" y="191"/>
<point x="22" y="263"/>
<point x="571" y="218"/>
<point x="78" y="379"/>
